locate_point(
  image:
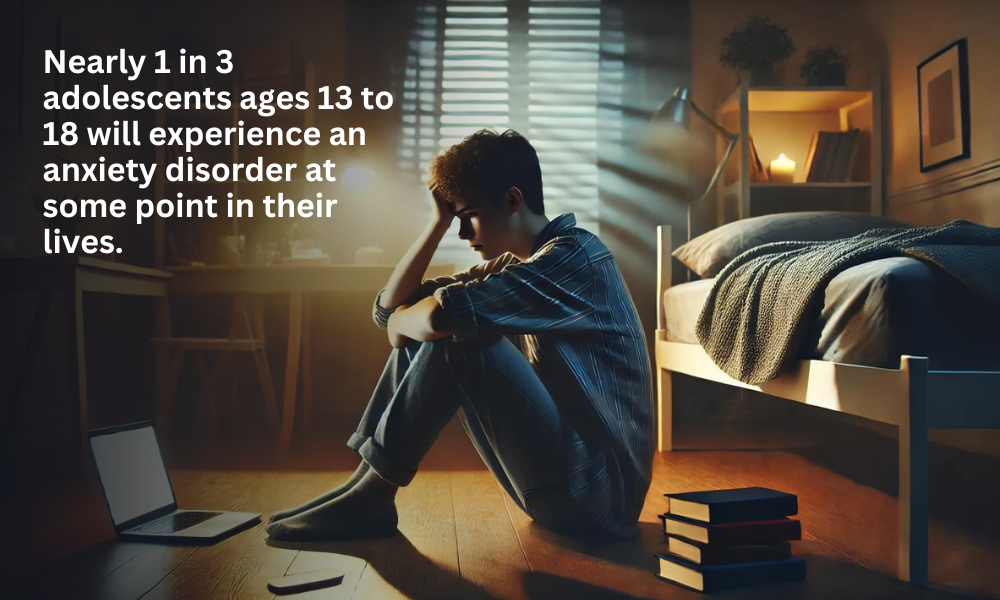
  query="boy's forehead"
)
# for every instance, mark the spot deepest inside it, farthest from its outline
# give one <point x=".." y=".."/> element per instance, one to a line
<point x="463" y="204"/>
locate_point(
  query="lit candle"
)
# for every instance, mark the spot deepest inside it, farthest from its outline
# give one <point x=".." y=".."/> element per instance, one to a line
<point x="782" y="169"/>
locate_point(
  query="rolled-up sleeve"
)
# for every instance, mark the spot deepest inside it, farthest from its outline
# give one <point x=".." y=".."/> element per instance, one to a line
<point x="552" y="291"/>
<point x="381" y="315"/>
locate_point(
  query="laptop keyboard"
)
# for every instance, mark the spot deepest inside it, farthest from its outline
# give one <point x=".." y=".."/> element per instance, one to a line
<point x="174" y="523"/>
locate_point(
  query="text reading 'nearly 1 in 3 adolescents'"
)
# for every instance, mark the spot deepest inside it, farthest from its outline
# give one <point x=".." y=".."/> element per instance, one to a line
<point x="182" y="164"/>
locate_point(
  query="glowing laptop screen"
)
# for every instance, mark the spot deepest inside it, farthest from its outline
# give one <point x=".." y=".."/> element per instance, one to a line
<point x="132" y="473"/>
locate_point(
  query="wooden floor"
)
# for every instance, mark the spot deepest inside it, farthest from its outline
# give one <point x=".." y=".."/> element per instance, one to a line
<point x="461" y="537"/>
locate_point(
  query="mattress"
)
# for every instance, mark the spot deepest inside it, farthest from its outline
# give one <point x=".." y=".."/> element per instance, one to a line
<point x="875" y="312"/>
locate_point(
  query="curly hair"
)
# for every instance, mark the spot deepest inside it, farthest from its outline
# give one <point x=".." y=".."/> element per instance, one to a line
<point x="485" y="165"/>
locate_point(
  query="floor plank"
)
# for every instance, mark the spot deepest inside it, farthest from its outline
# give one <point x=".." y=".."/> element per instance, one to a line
<point x="422" y="560"/>
<point x="239" y="567"/>
<point x="163" y="568"/>
<point x="136" y="577"/>
<point x="352" y="566"/>
<point x="490" y="559"/>
<point x="562" y="566"/>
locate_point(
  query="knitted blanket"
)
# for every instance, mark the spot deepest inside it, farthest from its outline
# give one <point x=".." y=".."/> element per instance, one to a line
<point x="763" y="302"/>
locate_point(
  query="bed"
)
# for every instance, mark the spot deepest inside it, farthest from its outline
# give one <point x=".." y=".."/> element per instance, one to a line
<point x="852" y="363"/>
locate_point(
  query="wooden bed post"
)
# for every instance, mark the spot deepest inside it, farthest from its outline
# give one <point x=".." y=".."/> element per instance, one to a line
<point x="913" y="486"/>
<point x="664" y="383"/>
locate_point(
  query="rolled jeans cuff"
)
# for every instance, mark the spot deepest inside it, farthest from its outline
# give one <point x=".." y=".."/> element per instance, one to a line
<point x="374" y="455"/>
<point x="356" y="441"/>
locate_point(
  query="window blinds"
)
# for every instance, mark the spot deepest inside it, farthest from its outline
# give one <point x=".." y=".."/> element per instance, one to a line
<point x="530" y="65"/>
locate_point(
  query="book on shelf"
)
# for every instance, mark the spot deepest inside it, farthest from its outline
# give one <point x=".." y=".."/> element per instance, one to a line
<point x="707" y="554"/>
<point x="810" y="155"/>
<point x="747" y="532"/>
<point x="714" y="578"/>
<point x="860" y="167"/>
<point x="757" y="171"/>
<point x="730" y="506"/>
<point x="833" y="156"/>
<point x="815" y="167"/>
<point x="839" y="171"/>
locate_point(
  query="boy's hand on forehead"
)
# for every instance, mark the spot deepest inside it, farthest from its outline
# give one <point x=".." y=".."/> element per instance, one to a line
<point x="441" y="213"/>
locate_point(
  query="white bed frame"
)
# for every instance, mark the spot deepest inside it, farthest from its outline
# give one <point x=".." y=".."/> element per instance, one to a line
<point x="913" y="398"/>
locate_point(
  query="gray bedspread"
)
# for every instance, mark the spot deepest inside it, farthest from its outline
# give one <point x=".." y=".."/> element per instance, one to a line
<point x="767" y="299"/>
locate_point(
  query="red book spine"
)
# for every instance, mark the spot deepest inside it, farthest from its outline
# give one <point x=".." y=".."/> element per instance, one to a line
<point x="755" y="532"/>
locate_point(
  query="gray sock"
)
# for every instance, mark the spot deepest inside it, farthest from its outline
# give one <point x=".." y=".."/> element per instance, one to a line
<point x="325" y="497"/>
<point x="366" y="510"/>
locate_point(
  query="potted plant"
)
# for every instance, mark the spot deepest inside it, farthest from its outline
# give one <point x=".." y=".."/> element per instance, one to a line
<point x="824" y="66"/>
<point x="757" y="47"/>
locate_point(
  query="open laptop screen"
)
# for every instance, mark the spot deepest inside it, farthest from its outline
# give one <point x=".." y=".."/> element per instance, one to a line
<point x="132" y="473"/>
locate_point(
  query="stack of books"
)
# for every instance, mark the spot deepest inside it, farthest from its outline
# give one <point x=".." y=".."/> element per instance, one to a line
<point x="725" y="539"/>
<point x="836" y="156"/>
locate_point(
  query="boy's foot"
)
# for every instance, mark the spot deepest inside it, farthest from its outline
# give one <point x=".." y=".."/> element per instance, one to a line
<point x="323" y="498"/>
<point x="366" y="510"/>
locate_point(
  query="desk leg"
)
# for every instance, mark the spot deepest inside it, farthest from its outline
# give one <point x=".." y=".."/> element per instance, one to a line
<point x="163" y="408"/>
<point x="291" y="370"/>
<point x="27" y="366"/>
<point x="308" y="407"/>
<point x="77" y="377"/>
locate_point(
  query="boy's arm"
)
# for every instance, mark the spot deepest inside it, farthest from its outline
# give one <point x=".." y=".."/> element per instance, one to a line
<point x="553" y="291"/>
<point x="423" y="321"/>
<point x="404" y="283"/>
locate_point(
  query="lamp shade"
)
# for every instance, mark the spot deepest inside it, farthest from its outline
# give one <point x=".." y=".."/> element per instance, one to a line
<point x="677" y="109"/>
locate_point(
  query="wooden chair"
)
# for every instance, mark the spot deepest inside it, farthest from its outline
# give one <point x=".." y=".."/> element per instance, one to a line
<point x="246" y="334"/>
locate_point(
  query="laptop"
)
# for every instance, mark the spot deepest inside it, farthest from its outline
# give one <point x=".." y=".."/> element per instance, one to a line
<point x="139" y="495"/>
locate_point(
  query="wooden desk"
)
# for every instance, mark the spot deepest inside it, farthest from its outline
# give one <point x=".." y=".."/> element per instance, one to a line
<point x="298" y="282"/>
<point x="72" y="275"/>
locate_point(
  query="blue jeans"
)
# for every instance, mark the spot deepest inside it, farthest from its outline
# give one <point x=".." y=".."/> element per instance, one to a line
<point x="509" y="415"/>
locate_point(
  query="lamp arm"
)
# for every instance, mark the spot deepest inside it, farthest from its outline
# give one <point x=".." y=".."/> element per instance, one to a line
<point x="725" y="132"/>
<point x="721" y="167"/>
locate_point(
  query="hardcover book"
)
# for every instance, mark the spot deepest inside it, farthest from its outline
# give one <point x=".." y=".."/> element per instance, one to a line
<point x="704" y="554"/>
<point x="730" y="506"/>
<point x="750" y="532"/>
<point x="723" y="577"/>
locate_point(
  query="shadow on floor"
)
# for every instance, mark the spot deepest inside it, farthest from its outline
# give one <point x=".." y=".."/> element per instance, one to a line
<point x="398" y="562"/>
<point x="827" y="578"/>
<point x="963" y="485"/>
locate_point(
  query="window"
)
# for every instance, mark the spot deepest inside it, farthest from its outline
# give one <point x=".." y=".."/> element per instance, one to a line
<point x="535" y="66"/>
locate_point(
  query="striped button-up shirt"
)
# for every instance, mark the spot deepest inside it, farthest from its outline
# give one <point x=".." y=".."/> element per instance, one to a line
<point x="569" y="311"/>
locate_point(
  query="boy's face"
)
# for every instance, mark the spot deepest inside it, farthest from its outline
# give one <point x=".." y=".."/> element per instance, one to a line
<point x="485" y="225"/>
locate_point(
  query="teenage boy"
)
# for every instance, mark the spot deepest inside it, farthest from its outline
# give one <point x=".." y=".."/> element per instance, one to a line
<point x="539" y="350"/>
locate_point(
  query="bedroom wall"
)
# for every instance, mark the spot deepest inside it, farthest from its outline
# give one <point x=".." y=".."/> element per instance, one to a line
<point x="967" y="189"/>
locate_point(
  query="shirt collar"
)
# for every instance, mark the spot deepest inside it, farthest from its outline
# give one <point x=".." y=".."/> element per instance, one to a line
<point x="554" y="229"/>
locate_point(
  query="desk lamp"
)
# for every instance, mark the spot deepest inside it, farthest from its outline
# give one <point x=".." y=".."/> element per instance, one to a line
<point x="678" y="110"/>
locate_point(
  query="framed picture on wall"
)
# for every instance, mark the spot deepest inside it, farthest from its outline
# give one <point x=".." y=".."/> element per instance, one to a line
<point x="943" y="88"/>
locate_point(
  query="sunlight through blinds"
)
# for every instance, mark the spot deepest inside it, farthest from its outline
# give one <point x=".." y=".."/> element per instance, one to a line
<point x="531" y="65"/>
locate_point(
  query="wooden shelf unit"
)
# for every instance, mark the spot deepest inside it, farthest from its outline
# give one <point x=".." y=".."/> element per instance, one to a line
<point x="783" y="120"/>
